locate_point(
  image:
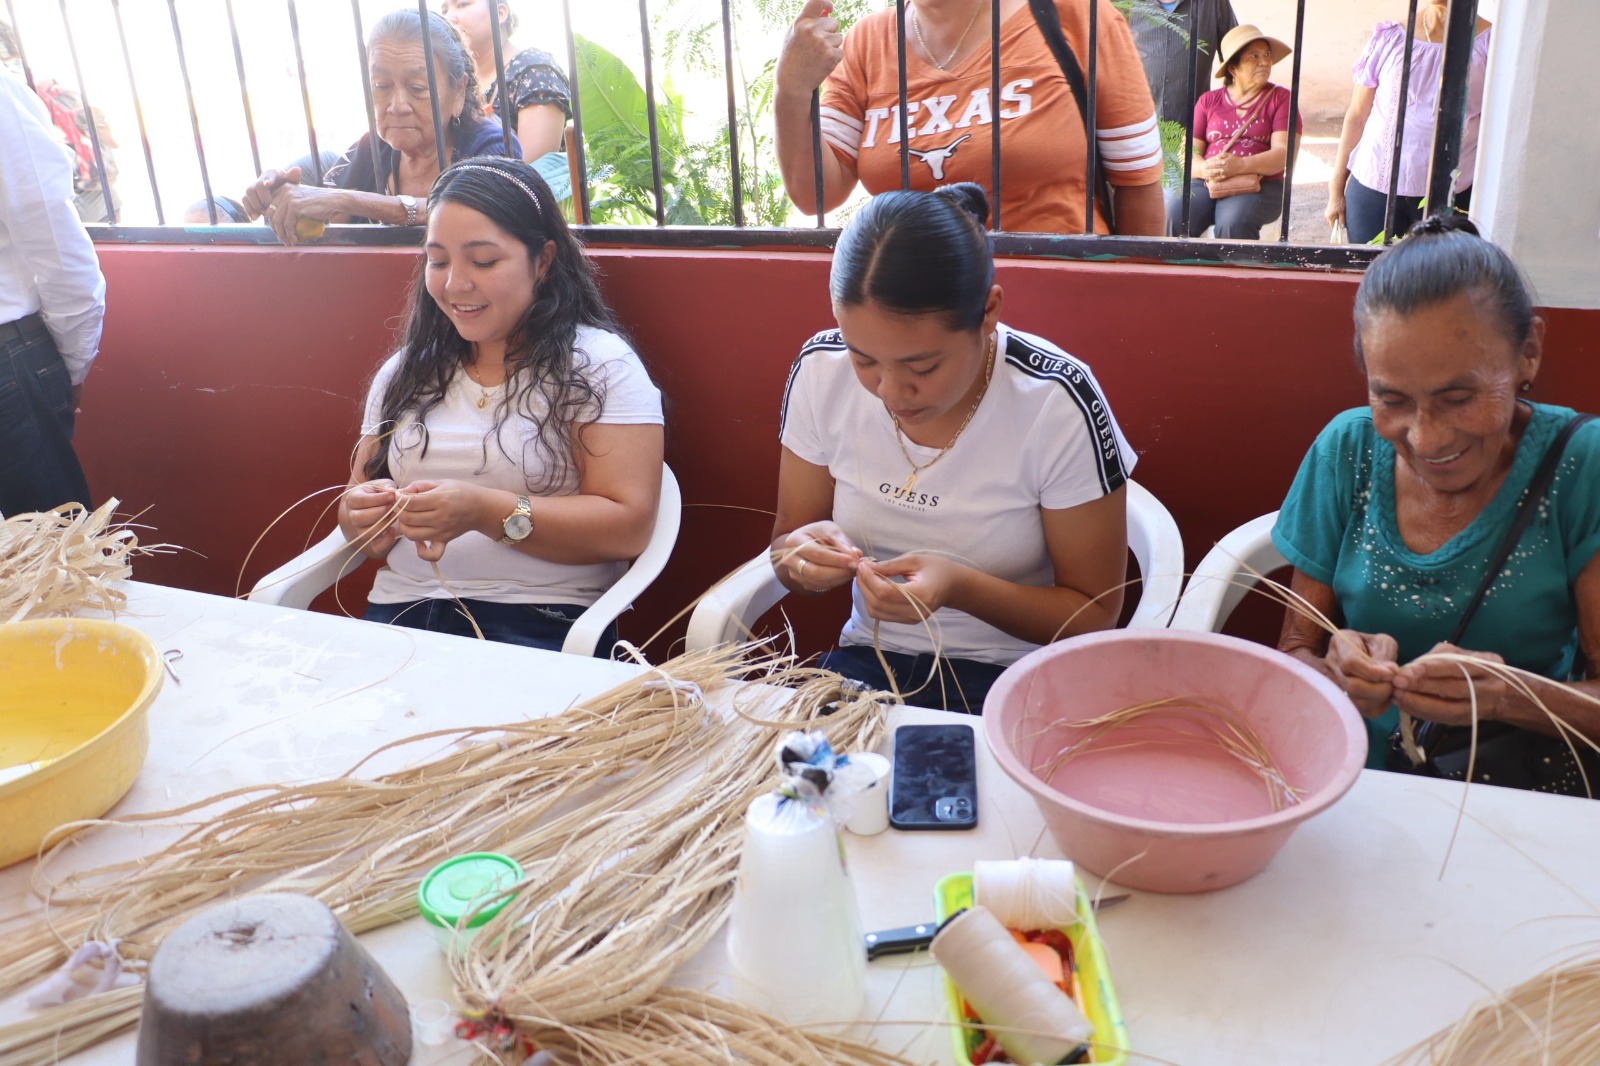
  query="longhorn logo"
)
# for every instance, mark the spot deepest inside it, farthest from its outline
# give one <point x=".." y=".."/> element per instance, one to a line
<point x="937" y="157"/>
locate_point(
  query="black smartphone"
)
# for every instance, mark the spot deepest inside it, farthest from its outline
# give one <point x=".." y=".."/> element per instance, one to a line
<point x="935" y="780"/>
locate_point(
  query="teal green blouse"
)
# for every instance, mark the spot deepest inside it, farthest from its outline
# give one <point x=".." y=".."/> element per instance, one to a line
<point x="1338" y="527"/>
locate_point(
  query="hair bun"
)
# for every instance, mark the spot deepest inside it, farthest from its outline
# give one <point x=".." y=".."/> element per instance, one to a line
<point x="1438" y="225"/>
<point x="970" y="197"/>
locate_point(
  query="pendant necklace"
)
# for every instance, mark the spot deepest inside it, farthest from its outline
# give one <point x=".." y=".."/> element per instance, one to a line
<point x="916" y="25"/>
<point x="899" y="434"/>
<point x="483" y="400"/>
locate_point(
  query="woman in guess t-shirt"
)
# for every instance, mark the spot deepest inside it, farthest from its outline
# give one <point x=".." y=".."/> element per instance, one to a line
<point x="965" y="478"/>
<point x="1239" y="130"/>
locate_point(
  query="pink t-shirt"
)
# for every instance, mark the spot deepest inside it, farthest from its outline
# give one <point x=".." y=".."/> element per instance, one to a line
<point x="1216" y="118"/>
<point x="1379" y="68"/>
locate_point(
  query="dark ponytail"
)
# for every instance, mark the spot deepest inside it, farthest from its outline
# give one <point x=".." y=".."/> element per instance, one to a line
<point x="918" y="253"/>
<point x="1441" y="258"/>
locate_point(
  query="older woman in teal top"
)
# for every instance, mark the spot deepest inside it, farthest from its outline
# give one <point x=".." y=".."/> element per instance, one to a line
<point x="1397" y="508"/>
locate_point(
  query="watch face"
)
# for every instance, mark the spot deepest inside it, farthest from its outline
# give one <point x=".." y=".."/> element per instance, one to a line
<point x="518" y="526"/>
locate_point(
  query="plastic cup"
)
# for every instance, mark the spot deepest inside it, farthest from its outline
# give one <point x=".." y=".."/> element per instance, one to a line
<point x="871" y="815"/>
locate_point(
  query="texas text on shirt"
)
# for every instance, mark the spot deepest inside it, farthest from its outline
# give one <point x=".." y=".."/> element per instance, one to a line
<point x="950" y="129"/>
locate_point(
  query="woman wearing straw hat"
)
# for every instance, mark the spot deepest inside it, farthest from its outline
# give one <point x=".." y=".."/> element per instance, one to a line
<point x="1240" y="141"/>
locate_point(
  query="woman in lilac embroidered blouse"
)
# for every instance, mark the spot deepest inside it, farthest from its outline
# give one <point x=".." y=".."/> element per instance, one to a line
<point x="1359" y="188"/>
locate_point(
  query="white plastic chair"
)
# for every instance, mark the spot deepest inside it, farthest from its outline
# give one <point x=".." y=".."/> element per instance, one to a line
<point x="1227" y="573"/>
<point x="300" y="580"/>
<point x="729" y="612"/>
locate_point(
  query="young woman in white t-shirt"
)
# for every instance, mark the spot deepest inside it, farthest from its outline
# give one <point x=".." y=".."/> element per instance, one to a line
<point x="513" y="445"/>
<point x="964" y="477"/>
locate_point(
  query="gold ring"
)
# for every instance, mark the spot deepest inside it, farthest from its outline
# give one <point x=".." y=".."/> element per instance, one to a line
<point x="800" y="569"/>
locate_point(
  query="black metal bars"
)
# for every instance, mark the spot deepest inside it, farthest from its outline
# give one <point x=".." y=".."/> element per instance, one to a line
<point x="994" y="112"/>
<point x="244" y="93"/>
<point x="650" y="114"/>
<point x="1188" y="124"/>
<point x="737" y="183"/>
<point x="1091" y="146"/>
<point x="1294" y="122"/>
<point x="901" y="125"/>
<point x="580" y="195"/>
<point x="1396" y="148"/>
<point x="194" y="114"/>
<point x="816" y="156"/>
<point x="88" y="116"/>
<point x="366" y="91"/>
<point x="138" y="114"/>
<point x="1451" y="115"/>
<point x="305" y="94"/>
<point x="22" y="53"/>
<point x="433" y="86"/>
<point x="505" y="109"/>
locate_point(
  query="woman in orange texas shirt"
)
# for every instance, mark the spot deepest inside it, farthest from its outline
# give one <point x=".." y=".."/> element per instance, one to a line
<point x="949" y="131"/>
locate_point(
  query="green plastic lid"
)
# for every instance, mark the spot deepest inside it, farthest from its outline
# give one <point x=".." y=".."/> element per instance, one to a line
<point x="456" y="886"/>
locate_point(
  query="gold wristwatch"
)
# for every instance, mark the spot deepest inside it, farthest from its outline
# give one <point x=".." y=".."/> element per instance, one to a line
<point x="519" y="523"/>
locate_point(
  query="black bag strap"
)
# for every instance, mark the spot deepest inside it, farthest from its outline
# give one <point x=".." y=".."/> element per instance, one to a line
<point x="1538" y="486"/>
<point x="1429" y="735"/>
<point x="1049" y="20"/>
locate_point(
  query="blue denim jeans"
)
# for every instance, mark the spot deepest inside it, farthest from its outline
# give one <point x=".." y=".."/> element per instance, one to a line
<point x="960" y="685"/>
<point x="1364" y="211"/>
<point x="532" y="625"/>
<point x="38" y="468"/>
<point x="1235" y="218"/>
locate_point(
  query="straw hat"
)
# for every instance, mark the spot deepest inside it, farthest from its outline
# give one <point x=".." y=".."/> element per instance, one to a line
<point x="1239" y="38"/>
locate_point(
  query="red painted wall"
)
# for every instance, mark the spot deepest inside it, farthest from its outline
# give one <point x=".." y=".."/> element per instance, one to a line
<point x="230" y="381"/>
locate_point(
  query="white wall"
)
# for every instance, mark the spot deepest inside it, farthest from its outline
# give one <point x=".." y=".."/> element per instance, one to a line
<point x="1537" y="192"/>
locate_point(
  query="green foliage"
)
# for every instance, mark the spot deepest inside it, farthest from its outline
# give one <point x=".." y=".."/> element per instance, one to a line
<point x="1174" y="142"/>
<point x="1153" y="13"/>
<point x="697" y="181"/>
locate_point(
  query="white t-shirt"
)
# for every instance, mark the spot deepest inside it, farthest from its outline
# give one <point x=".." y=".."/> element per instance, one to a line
<point x="460" y="446"/>
<point x="1042" y="437"/>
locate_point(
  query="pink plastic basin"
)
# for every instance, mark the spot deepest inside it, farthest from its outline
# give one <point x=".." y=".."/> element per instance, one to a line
<point x="1167" y="810"/>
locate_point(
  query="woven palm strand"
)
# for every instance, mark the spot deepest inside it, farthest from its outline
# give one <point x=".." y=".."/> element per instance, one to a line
<point x="537" y="791"/>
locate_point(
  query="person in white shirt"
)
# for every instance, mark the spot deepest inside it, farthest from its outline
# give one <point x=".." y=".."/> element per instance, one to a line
<point x="510" y="457"/>
<point x="52" y="303"/>
<point x="965" y="478"/>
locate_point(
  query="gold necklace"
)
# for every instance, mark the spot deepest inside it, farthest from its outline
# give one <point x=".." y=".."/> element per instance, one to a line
<point x="900" y="438"/>
<point x="483" y="401"/>
<point x="916" y="25"/>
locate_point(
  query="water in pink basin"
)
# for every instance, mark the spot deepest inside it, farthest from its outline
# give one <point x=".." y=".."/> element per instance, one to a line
<point x="1159" y="803"/>
<point x="1154" y="775"/>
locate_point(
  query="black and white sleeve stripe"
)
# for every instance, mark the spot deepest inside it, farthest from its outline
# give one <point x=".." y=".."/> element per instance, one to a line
<point x="829" y="340"/>
<point x="1047" y="365"/>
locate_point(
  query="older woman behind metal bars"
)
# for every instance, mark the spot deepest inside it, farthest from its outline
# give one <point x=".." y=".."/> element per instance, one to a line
<point x="388" y="180"/>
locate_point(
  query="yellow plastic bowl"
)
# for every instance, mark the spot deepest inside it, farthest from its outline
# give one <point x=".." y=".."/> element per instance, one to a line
<point x="73" y="728"/>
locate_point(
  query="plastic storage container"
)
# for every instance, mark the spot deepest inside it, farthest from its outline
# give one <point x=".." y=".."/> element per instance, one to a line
<point x="1099" y="1005"/>
<point x="460" y="886"/>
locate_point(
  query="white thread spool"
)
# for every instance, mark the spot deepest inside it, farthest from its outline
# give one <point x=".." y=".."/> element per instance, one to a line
<point x="1027" y="894"/>
<point x="794" y="936"/>
<point x="1032" y="1019"/>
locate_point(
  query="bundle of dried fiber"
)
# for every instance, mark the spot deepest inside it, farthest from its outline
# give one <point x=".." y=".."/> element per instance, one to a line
<point x="55" y="562"/>
<point x="584" y="940"/>
<point x="533" y="790"/>
<point x="683" y="1027"/>
<point x="1546" y="1019"/>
